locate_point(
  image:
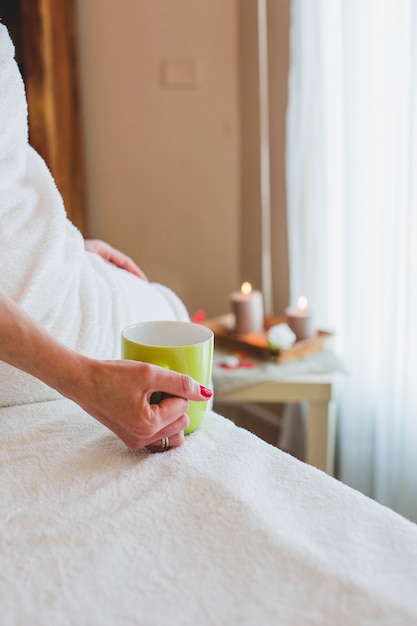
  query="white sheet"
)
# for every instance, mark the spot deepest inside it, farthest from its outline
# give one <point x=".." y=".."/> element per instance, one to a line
<point x="224" y="530"/>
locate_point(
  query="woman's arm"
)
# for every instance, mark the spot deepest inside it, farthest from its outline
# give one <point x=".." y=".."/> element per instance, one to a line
<point x="117" y="393"/>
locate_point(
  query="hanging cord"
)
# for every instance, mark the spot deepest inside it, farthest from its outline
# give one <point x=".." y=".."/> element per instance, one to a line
<point x="264" y="157"/>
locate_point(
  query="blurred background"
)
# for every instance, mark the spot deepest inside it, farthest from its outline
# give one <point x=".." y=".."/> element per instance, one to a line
<point x="170" y="116"/>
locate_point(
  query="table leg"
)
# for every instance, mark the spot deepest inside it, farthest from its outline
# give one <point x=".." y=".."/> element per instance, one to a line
<point x="320" y="435"/>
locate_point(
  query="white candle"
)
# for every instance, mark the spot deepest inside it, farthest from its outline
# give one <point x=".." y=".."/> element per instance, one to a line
<point x="247" y="305"/>
<point x="299" y="319"/>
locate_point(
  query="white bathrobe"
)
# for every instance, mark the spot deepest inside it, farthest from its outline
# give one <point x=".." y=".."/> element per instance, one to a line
<point x="81" y="299"/>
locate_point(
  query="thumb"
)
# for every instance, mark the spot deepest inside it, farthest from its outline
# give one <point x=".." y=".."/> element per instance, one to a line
<point x="180" y="385"/>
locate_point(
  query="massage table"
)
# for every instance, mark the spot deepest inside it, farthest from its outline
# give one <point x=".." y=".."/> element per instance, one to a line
<point x="226" y="529"/>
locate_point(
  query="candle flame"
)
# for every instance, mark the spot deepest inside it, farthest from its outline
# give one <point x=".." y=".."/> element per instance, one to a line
<point x="302" y="302"/>
<point x="246" y="288"/>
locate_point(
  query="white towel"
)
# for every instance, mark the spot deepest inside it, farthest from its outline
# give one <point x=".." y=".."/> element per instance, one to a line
<point x="225" y="530"/>
<point x="80" y="298"/>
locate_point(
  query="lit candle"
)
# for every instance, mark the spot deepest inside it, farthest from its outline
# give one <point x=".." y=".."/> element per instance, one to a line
<point x="247" y="305"/>
<point x="299" y="319"/>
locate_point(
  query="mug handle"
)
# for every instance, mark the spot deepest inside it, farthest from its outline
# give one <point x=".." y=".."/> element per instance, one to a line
<point x="158" y="396"/>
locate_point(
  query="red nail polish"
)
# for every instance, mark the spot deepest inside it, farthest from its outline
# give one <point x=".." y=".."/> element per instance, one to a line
<point x="205" y="391"/>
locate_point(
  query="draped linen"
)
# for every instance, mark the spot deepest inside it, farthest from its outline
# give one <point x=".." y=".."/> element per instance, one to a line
<point x="352" y="193"/>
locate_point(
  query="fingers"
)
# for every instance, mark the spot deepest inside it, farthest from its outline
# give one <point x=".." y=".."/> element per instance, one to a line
<point x="140" y="422"/>
<point x="126" y="263"/>
<point x="169" y="418"/>
<point x="110" y="254"/>
<point x="166" y="443"/>
<point x="168" y="415"/>
<point x="179" y="385"/>
<point x="171" y="436"/>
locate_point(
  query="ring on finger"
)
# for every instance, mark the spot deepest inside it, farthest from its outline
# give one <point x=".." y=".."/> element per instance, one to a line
<point x="165" y="443"/>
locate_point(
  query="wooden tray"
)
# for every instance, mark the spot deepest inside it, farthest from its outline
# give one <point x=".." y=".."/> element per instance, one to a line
<point x="256" y="343"/>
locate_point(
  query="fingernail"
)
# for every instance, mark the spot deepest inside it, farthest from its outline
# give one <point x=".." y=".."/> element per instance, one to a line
<point x="205" y="391"/>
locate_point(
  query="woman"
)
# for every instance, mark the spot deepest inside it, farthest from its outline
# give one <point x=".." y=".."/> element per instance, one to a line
<point x="64" y="301"/>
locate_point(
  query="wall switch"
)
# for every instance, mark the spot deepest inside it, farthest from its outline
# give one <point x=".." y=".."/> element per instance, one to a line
<point x="179" y="74"/>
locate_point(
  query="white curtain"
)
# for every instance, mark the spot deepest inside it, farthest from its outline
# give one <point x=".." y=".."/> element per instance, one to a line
<point x="352" y="215"/>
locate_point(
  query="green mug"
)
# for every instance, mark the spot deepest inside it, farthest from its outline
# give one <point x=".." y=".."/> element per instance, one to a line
<point x="181" y="346"/>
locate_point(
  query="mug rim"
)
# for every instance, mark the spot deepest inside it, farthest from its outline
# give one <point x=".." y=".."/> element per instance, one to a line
<point x="167" y="323"/>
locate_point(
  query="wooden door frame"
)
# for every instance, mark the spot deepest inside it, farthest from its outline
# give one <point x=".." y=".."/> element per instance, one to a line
<point x="49" y="53"/>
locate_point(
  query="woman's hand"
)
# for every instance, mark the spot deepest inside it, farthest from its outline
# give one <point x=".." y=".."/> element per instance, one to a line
<point x="110" y="254"/>
<point x="118" y="394"/>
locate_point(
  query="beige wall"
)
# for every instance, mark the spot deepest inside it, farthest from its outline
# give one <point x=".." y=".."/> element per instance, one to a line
<point x="172" y="172"/>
